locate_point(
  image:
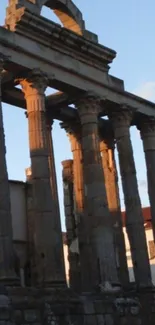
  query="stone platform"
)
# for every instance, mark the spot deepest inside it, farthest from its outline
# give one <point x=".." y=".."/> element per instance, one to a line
<point x="25" y="306"/>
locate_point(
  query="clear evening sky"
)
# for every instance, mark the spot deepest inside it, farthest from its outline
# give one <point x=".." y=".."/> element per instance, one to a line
<point x="125" y="26"/>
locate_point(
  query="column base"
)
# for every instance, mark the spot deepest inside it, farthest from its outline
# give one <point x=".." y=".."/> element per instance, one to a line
<point x="52" y="284"/>
<point x="108" y="287"/>
<point x="141" y="288"/>
<point x="145" y="288"/>
<point x="10" y="281"/>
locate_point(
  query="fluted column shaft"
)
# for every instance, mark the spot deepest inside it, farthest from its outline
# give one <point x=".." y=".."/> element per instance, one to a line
<point x="53" y="179"/>
<point x="74" y="134"/>
<point x="47" y="236"/>
<point x="100" y="239"/>
<point x="31" y="277"/>
<point x="121" y="120"/>
<point x="111" y="183"/>
<point x="7" y="273"/>
<point x="77" y="174"/>
<point x="73" y="257"/>
<point x="146" y="126"/>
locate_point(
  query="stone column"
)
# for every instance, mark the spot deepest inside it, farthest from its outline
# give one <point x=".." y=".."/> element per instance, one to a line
<point x="73" y="255"/>
<point x="121" y="120"/>
<point x="7" y="273"/>
<point x="74" y="134"/>
<point x="146" y="126"/>
<point x="47" y="237"/>
<point x="99" y="236"/>
<point x="111" y="182"/>
<point x="53" y="179"/>
<point x="30" y="267"/>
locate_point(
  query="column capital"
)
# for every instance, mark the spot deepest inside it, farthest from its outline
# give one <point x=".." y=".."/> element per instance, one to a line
<point x="89" y="107"/>
<point x="67" y="172"/>
<point x="74" y="133"/>
<point x="34" y="84"/>
<point x="121" y="116"/>
<point x="146" y="126"/>
<point x="121" y="120"/>
<point x="71" y="128"/>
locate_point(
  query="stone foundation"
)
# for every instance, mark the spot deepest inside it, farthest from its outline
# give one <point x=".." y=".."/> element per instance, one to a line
<point x="63" y="307"/>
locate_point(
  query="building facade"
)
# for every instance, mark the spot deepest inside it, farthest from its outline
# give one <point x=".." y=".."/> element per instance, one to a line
<point x="96" y="112"/>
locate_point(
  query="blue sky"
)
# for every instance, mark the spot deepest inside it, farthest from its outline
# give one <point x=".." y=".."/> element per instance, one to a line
<point x="125" y="26"/>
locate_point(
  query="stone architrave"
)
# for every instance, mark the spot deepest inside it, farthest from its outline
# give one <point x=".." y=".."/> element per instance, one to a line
<point x="111" y="182"/>
<point x="146" y="126"/>
<point x="7" y="273"/>
<point x="73" y="254"/>
<point x="47" y="237"/>
<point x="102" y="261"/>
<point x="121" y="120"/>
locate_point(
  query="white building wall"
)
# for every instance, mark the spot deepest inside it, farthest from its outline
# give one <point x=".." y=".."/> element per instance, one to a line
<point x="149" y="237"/>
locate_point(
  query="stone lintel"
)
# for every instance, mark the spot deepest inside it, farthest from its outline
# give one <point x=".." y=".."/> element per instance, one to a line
<point x="93" y="78"/>
<point x="25" y="21"/>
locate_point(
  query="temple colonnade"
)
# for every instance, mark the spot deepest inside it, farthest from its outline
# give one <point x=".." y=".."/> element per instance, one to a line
<point x="91" y="195"/>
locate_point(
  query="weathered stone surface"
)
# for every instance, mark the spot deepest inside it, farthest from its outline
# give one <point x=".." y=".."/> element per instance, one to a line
<point x="73" y="255"/>
<point x="31" y="315"/>
<point x="146" y="126"/>
<point x="67" y="12"/>
<point x="89" y="307"/>
<point x="77" y="65"/>
<point x="109" y="320"/>
<point x="63" y="307"/>
<point x="102" y="262"/>
<point x="54" y="188"/>
<point x="7" y="273"/>
<point x="18" y="317"/>
<point x="74" y="134"/>
<point x="100" y="319"/>
<point x="47" y="240"/>
<point x="6" y="308"/>
<point x="112" y="190"/>
<point x="90" y="320"/>
<point x="121" y="120"/>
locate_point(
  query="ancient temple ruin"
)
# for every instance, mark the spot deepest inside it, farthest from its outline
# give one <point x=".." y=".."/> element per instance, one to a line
<point x="37" y="53"/>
